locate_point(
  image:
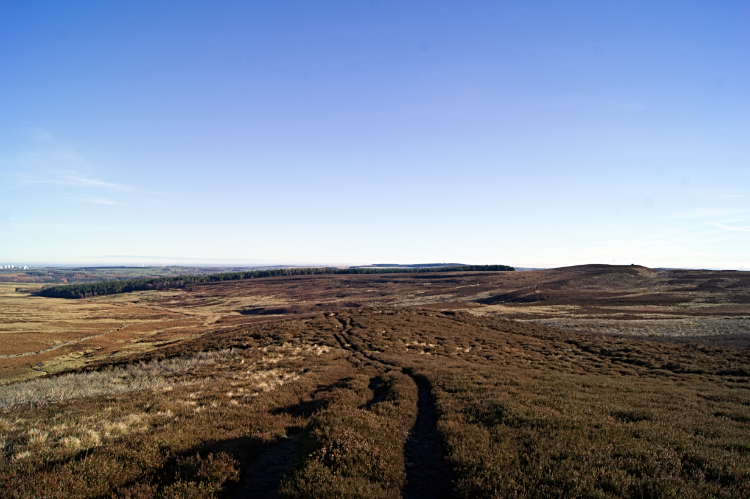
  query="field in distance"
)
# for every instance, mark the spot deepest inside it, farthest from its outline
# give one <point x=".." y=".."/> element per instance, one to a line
<point x="39" y="336"/>
<point x="708" y="306"/>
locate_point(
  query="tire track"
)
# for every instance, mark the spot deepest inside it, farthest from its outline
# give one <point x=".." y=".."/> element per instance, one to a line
<point x="428" y="474"/>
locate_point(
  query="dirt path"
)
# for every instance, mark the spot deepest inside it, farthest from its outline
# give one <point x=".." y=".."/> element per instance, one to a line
<point x="428" y="474"/>
<point x="263" y="479"/>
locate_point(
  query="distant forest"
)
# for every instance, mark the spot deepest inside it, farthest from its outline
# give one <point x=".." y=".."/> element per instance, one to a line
<point x="113" y="287"/>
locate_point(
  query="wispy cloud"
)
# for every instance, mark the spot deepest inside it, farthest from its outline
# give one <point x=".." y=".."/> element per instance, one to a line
<point x="42" y="135"/>
<point x="48" y="161"/>
<point x="706" y="213"/>
<point x="583" y="102"/>
<point x="727" y="227"/>
<point x="95" y="200"/>
<point x="71" y="178"/>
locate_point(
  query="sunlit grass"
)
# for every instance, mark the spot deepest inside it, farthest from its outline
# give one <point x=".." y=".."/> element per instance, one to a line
<point x="524" y="411"/>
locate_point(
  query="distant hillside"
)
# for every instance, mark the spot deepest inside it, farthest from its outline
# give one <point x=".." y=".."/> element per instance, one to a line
<point x="116" y="287"/>
<point x="409" y="266"/>
<point x="81" y="275"/>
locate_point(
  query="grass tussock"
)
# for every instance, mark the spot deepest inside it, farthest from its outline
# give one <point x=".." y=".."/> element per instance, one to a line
<point x="159" y="442"/>
<point x="157" y="374"/>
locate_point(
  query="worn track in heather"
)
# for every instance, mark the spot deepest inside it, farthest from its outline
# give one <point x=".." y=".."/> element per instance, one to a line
<point x="428" y="474"/>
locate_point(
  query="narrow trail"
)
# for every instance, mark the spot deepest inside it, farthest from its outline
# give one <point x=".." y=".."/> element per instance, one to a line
<point x="428" y="474"/>
<point x="63" y="344"/>
<point x="263" y="479"/>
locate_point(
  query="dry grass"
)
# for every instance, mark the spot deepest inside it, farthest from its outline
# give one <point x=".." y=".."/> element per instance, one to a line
<point x="622" y="300"/>
<point x="154" y="375"/>
<point x="158" y="440"/>
<point x="524" y="411"/>
<point x="11" y="289"/>
<point x="72" y="333"/>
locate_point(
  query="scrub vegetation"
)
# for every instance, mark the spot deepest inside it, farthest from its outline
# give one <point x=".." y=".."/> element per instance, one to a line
<point x="349" y="404"/>
<point x="116" y="380"/>
<point x="47" y="335"/>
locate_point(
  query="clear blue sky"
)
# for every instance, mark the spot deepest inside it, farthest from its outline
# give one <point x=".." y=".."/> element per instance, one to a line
<point x="532" y="133"/>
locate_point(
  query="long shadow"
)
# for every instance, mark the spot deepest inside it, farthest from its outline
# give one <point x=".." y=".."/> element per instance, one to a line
<point x="379" y="391"/>
<point x="263" y="479"/>
<point x="245" y="449"/>
<point x="428" y="474"/>
<point x="263" y="464"/>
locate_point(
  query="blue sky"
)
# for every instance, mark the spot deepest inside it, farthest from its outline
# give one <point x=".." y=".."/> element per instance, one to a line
<point x="534" y="134"/>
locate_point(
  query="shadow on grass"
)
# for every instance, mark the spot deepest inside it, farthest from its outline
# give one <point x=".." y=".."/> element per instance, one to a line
<point x="234" y="468"/>
<point x="428" y="474"/>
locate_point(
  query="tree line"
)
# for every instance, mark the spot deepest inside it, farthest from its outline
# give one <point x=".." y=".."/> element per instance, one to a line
<point x="114" y="287"/>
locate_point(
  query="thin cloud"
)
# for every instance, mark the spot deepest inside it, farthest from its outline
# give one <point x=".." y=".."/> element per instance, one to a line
<point x="582" y="101"/>
<point x="675" y="246"/>
<point x="706" y="213"/>
<point x="95" y="200"/>
<point x="73" y="227"/>
<point x="82" y="181"/>
<point x="727" y="227"/>
<point x="48" y="161"/>
<point x="42" y="135"/>
<point x="73" y="179"/>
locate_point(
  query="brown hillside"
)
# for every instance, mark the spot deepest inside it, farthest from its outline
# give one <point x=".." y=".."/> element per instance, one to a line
<point x="388" y="402"/>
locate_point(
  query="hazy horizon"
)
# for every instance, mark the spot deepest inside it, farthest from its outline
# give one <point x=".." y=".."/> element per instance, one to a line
<point x="239" y="264"/>
<point x="533" y="134"/>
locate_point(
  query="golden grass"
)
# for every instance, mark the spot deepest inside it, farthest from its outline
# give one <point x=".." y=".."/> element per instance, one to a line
<point x="8" y="289"/>
<point x="35" y="324"/>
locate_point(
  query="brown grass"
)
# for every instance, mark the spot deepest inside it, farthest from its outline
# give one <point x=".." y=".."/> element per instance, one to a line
<point x="524" y="411"/>
<point x="154" y="375"/>
<point x="355" y="444"/>
<point x="711" y="307"/>
<point x="194" y="407"/>
<point x="33" y="324"/>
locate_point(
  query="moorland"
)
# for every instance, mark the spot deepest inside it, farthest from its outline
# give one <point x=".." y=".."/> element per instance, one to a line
<point x="589" y="381"/>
